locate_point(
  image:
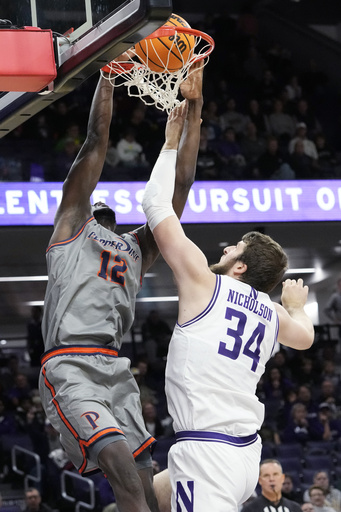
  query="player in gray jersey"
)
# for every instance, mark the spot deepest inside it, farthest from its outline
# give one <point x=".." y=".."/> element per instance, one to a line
<point x="88" y="391"/>
<point x="227" y="329"/>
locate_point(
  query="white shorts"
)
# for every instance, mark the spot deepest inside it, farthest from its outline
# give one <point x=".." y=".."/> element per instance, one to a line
<point x="213" y="471"/>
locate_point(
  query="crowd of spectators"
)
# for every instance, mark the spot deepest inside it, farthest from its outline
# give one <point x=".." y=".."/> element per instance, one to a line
<point x="300" y="391"/>
<point x="262" y="119"/>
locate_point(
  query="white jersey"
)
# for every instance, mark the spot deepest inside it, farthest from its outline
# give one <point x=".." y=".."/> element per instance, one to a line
<point x="216" y="360"/>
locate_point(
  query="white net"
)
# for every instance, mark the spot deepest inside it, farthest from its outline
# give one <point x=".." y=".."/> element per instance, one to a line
<point x="159" y="88"/>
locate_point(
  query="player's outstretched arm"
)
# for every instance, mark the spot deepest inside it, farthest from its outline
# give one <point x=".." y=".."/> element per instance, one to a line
<point x="86" y="170"/>
<point x="187" y="147"/>
<point x="165" y="165"/>
<point x="296" y="330"/>
<point x="191" y="90"/>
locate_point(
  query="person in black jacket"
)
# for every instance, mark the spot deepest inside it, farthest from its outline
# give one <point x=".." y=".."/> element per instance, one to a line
<point x="271" y="478"/>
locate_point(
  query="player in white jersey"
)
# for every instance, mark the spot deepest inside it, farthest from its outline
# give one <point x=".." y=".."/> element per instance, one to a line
<point x="226" y="331"/>
<point x="88" y="392"/>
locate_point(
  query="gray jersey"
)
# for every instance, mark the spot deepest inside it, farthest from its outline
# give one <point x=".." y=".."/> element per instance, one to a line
<point x="93" y="281"/>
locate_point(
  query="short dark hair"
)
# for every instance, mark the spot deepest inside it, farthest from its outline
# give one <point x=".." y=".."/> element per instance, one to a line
<point x="270" y="461"/>
<point x="311" y="488"/>
<point x="265" y="259"/>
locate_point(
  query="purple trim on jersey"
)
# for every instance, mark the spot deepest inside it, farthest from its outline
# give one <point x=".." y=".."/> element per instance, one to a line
<point x="216" y="437"/>
<point x="209" y="307"/>
<point x="276" y="333"/>
<point x="71" y="239"/>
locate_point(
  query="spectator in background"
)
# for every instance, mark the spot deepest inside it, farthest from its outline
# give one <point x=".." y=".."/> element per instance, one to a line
<point x="271" y="480"/>
<point x="328" y="417"/>
<point x="252" y="144"/>
<point x="317" y="497"/>
<point x="328" y="393"/>
<point x="289" y="491"/>
<point x="293" y="89"/>
<point x="307" y="507"/>
<point x="146" y="393"/>
<point x="328" y="164"/>
<point x="232" y="118"/>
<point x="35" y="344"/>
<point x="211" y="119"/>
<point x="304" y="166"/>
<point x="20" y="391"/>
<point x="281" y="124"/>
<point x="207" y="161"/>
<point x="151" y="419"/>
<point x="300" y="428"/>
<point x="63" y="160"/>
<point x="309" y="147"/>
<point x="73" y="131"/>
<point x="232" y="162"/>
<point x="257" y="116"/>
<point x="304" y="396"/>
<point x="272" y="164"/>
<point x="330" y="372"/>
<point x="276" y="386"/>
<point x="34" y="502"/>
<point x="304" y="114"/>
<point x="333" y="307"/>
<point x="130" y="152"/>
<point x="332" y="495"/>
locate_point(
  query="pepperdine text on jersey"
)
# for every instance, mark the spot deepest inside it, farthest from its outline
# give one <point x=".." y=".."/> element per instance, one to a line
<point x="119" y="245"/>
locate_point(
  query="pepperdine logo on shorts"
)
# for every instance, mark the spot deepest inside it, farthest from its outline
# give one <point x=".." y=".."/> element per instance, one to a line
<point x="32" y="203"/>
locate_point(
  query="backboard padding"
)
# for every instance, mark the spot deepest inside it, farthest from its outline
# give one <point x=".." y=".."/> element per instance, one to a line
<point x="107" y="39"/>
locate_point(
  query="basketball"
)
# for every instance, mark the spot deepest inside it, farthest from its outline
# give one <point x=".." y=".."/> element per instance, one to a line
<point x="168" y="53"/>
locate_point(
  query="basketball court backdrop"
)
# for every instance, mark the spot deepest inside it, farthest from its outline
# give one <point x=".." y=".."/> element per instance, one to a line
<point x="76" y="39"/>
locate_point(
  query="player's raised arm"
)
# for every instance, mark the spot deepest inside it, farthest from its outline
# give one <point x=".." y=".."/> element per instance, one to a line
<point x="85" y="172"/>
<point x="182" y="255"/>
<point x="296" y="330"/>
<point x="187" y="151"/>
<point x="191" y="90"/>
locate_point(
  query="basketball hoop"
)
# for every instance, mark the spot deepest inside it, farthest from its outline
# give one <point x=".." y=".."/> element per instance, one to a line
<point x="159" y="88"/>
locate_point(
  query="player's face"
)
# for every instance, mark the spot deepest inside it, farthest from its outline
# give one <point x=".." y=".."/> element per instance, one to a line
<point x="271" y="478"/>
<point x="228" y="259"/>
<point x="104" y="215"/>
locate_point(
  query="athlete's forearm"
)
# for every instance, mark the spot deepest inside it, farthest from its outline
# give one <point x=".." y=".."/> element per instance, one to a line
<point x="157" y="199"/>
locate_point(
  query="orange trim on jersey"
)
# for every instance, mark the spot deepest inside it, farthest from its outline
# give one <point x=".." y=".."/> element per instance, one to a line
<point x="56" y="404"/>
<point x="68" y="240"/>
<point x="85" y="444"/>
<point x="145" y="445"/>
<point x="78" y="351"/>
<point x="136" y="236"/>
<point x="82" y="443"/>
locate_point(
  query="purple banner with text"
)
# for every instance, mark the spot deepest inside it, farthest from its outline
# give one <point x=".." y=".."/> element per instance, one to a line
<point x="208" y="201"/>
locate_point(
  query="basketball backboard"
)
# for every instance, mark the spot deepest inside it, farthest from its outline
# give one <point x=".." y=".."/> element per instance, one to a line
<point x="86" y="34"/>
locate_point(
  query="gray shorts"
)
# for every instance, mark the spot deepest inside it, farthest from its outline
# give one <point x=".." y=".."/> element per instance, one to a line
<point x="92" y="400"/>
